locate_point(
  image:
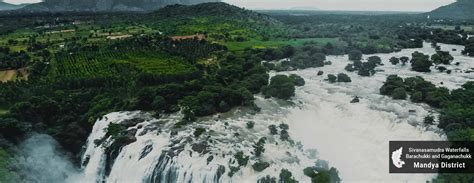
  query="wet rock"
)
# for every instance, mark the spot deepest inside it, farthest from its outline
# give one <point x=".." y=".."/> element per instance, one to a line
<point x="260" y="166"/>
<point x="412" y="111"/>
<point x="200" y="148"/>
<point x="355" y="100"/>
<point x="219" y="173"/>
<point x="146" y="150"/>
<point x="131" y="122"/>
<point x="209" y="159"/>
<point x="147" y="129"/>
<point x="320" y="73"/>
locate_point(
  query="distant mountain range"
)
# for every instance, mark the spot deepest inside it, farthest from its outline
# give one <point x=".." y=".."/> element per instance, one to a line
<point x="305" y="8"/>
<point x="461" y="9"/>
<point x="8" y="6"/>
<point x="106" y="5"/>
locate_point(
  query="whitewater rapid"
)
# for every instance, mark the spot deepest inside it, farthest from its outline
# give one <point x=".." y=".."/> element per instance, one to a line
<point x="323" y="126"/>
<point x="355" y="137"/>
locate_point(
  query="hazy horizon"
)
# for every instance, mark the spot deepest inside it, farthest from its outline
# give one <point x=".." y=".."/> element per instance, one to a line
<point x="353" y="5"/>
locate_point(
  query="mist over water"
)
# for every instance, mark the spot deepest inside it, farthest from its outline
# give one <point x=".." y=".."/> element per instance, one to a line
<point x="323" y="124"/>
<point x="40" y="160"/>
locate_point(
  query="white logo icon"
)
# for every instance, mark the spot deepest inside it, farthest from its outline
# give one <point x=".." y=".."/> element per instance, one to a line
<point x="396" y="158"/>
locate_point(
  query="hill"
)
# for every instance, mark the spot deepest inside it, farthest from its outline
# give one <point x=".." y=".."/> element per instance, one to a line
<point x="216" y="9"/>
<point x="461" y="9"/>
<point x="107" y="5"/>
<point x="7" y="6"/>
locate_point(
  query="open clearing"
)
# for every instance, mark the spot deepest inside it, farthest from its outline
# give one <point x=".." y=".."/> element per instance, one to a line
<point x="7" y="75"/>
<point x="256" y="44"/>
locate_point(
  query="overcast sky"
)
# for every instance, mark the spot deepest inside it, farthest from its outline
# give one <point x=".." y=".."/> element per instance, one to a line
<point x="382" y="5"/>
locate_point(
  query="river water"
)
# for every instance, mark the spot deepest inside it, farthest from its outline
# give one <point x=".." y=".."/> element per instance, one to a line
<point x="323" y="126"/>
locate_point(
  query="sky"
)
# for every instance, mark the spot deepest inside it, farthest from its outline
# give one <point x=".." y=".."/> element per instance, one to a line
<point x="372" y="5"/>
<point x="381" y="5"/>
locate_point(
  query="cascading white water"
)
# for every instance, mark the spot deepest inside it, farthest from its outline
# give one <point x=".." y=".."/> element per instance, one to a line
<point x="353" y="137"/>
<point x="41" y="160"/>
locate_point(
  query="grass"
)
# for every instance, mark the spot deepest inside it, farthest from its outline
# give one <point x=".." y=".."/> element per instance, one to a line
<point x="257" y="44"/>
<point x="7" y="75"/>
<point x="6" y="176"/>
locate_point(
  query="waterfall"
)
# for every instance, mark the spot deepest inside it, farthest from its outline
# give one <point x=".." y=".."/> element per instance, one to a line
<point x="41" y="160"/>
<point x="323" y="126"/>
<point x="162" y="154"/>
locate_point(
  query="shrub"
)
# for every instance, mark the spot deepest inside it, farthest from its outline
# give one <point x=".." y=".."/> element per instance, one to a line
<point x="355" y="55"/>
<point x="250" y="124"/>
<point x="417" y="97"/>
<point x="399" y="94"/>
<point x="442" y="57"/>
<point x="375" y="60"/>
<point x="429" y="120"/>
<point x="273" y="129"/>
<point x="281" y="86"/>
<point x="286" y="176"/>
<point x="242" y="160"/>
<point x="332" y="78"/>
<point x="393" y="82"/>
<point x="297" y="80"/>
<point x="260" y="166"/>
<point x="404" y="60"/>
<point x="199" y="131"/>
<point x="394" y="60"/>
<point x="341" y="77"/>
<point x="349" y="68"/>
<point x="259" y="147"/>
<point x="420" y="62"/>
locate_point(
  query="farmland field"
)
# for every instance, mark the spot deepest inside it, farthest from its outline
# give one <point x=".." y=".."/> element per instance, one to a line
<point x="239" y="46"/>
<point x="97" y="64"/>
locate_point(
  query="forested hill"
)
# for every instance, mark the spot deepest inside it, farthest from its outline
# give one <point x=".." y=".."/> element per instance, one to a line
<point x="462" y="9"/>
<point x="107" y="5"/>
<point x="7" y="6"/>
<point x="219" y="9"/>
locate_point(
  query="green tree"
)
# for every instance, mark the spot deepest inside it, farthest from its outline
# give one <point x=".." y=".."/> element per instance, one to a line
<point x="355" y="55"/>
<point x="420" y="62"/>
<point x="281" y="86"/>
<point x="341" y="77"/>
<point x="442" y="57"/>
<point x="399" y="94"/>
<point x="394" y="60"/>
<point x="332" y="78"/>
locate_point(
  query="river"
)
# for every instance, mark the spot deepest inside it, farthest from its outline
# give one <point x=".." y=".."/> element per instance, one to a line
<point x="323" y="127"/>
